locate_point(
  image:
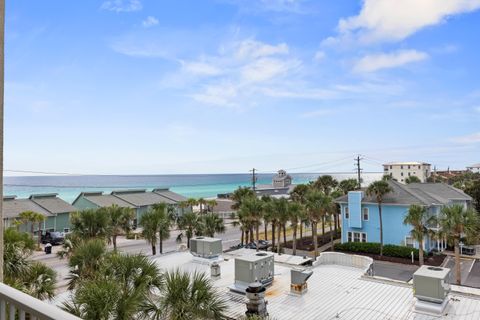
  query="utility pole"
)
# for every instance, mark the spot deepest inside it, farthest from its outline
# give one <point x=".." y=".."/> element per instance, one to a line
<point x="254" y="178"/>
<point x="2" y="85"/>
<point x="359" y="170"/>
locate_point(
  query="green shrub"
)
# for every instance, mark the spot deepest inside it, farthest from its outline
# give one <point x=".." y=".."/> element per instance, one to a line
<point x="389" y="250"/>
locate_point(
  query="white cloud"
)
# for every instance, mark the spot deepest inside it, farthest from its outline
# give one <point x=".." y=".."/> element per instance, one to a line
<point x="251" y="49"/>
<point x="150" y="21"/>
<point x="477" y="109"/>
<point x="265" y="69"/>
<point x="468" y="139"/>
<point x="395" y="20"/>
<point x="374" y="62"/>
<point x="317" y="113"/>
<point x="222" y="95"/>
<point x="319" y="55"/>
<point x="122" y="5"/>
<point x="200" y="68"/>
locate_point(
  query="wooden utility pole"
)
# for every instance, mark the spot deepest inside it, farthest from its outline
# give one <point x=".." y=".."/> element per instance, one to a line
<point x="2" y="85"/>
<point x="254" y="178"/>
<point x="359" y="170"/>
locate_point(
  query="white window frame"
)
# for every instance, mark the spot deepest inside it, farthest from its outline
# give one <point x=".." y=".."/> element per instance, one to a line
<point x="349" y="236"/>
<point x="347" y="213"/>
<point x="363" y="214"/>
<point x="363" y="236"/>
<point x="413" y="242"/>
<point x="354" y="236"/>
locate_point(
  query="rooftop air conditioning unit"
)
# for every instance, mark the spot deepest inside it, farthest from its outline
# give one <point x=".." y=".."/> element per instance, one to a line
<point x="205" y="247"/>
<point x="431" y="288"/>
<point x="258" y="267"/>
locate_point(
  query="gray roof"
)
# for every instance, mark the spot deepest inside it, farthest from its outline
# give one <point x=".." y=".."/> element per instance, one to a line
<point x="270" y="190"/>
<point x="52" y="203"/>
<point x="170" y="195"/>
<point x="104" y="200"/>
<point x="476" y="165"/>
<point x="141" y="198"/>
<point x="417" y="193"/>
<point x="12" y="207"/>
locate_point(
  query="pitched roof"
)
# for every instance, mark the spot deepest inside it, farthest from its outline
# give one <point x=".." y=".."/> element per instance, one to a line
<point x="170" y="194"/>
<point x="12" y="207"/>
<point x="104" y="200"/>
<point x="416" y="193"/>
<point x="52" y="203"/>
<point x="141" y="198"/>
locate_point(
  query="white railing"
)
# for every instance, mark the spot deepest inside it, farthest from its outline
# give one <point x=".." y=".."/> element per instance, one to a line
<point x="344" y="259"/>
<point x="13" y="302"/>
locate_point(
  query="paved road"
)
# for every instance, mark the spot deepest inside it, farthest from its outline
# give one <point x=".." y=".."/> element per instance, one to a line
<point x="473" y="279"/>
<point x="465" y="266"/>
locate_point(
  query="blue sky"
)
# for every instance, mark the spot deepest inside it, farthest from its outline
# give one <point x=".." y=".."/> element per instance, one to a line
<point x="143" y="86"/>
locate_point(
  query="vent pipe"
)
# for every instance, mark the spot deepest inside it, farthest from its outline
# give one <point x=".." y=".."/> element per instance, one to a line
<point x="256" y="304"/>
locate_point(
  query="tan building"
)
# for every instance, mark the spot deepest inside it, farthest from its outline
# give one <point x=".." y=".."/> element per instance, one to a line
<point x="400" y="171"/>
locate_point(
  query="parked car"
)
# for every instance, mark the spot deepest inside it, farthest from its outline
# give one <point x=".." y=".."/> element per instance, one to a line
<point x="262" y="245"/>
<point x="53" y="237"/>
<point x="468" y="250"/>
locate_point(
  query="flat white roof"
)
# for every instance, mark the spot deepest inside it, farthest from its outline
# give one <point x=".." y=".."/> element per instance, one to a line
<point x="334" y="292"/>
<point x="414" y="163"/>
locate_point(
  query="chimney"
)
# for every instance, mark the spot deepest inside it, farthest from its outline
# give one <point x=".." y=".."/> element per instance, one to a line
<point x="256" y="304"/>
<point x="298" y="282"/>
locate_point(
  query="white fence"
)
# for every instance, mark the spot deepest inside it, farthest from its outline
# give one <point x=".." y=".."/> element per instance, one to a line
<point x="349" y="260"/>
<point x="13" y="301"/>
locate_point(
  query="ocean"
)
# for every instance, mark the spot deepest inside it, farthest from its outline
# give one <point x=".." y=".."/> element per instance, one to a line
<point x="189" y="185"/>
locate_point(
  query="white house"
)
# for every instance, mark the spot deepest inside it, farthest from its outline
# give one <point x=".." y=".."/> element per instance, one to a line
<point x="400" y="171"/>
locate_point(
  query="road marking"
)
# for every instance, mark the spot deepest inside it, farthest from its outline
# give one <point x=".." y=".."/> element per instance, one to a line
<point x="471" y="267"/>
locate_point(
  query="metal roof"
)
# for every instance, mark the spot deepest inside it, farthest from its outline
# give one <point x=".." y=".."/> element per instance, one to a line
<point x="104" y="200"/>
<point x="52" y="203"/>
<point x="170" y="194"/>
<point x="334" y="292"/>
<point x="141" y="198"/>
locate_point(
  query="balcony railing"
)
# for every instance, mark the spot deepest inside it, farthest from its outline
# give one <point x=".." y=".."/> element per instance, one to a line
<point x="13" y="302"/>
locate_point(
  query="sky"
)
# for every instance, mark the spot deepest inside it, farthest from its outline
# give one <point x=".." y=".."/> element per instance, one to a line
<point x="221" y="86"/>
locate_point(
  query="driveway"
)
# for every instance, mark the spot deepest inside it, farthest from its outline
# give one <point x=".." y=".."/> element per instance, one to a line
<point x="473" y="279"/>
<point x="466" y="267"/>
<point x="395" y="271"/>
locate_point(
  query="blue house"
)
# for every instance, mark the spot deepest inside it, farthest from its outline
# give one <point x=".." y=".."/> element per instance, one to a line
<point x="360" y="219"/>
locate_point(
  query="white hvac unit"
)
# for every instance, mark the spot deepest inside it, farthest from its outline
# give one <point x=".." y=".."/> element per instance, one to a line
<point x="258" y="267"/>
<point x="431" y="288"/>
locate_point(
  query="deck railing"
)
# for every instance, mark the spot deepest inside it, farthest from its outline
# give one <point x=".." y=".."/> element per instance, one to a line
<point x="14" y="302"/>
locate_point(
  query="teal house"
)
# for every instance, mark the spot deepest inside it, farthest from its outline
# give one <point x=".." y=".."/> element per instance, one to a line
<point x="360" y="217"/>
<point x="140" y="200"/>
<point x="56" y="211"/>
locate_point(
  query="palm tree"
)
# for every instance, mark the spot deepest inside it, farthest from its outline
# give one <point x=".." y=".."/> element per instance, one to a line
<point x="347" y="185"/>
<point x="211" y="204"/>
<point x="266" y="203"/>
<point x="412" y="179"/>
<point x="418" y="218"/>
<point x="296" y="214"/>
<point x="240" y="194"/>
<point x="212" y="224"/>
<point x="326" y="184"/>
<point x="202" y="203"/>
<point x="90" y="223"/>
<point x="86" y="260"/>
<point x="118" y="221"/>
<point x="184" y="296"/>
<point x="458" y="223"/>
<point x="192" y="202"/>
<point x="32" y="217"/>
<point x="39" y="281"/>
<point x="269" y="216"/>
<point x="190" y="223"/>
<point x="379" y="189"/>
<point x="150" y="222"/>
<point x="314" y="211"/>
<point x="281" y="217"/>
<point x="252" y="209"/>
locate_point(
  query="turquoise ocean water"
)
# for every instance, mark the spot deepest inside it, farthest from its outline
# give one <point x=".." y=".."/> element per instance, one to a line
<point x="189" y="185"/>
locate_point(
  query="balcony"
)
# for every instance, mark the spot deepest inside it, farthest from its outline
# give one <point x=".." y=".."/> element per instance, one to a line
<point x="13" y="302"/>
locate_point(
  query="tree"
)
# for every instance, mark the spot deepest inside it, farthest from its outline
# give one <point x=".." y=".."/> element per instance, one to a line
<point x="458" y="223"/>
<point x="269" y="216"/>
<point x="326" y="184"/>
<point x="192" y="202"/>
<point x="39" y="281"/>
<point x="281" y="216"/>
<point x="378" y="190"/>
<point x="473" y="190"/>
<point x="296" y="214"/>
<point x="150" y="222"/>
<point x="347" y="185"/>
<point x="412" y="179"/>
<point x="85" y="261"/>
<point x="211" y="224"/>
<point x="33" y="218"/>
<point x="185" y="297"/>
<point x="314" y="211"/>
<point x="190" y="223"/>
<point x="211" y="204"/>
<point x="418" y="218"/>
<point x="240" y="194"/>
<point x="251" y="209"/>
<point x="90" y="223"/>
<point x="118" y="220"/>
<point x="202" y="203"/>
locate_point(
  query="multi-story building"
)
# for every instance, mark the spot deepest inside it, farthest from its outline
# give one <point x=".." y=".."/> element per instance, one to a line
<point x="360" y="219"/>
<point x="400" y="171"/>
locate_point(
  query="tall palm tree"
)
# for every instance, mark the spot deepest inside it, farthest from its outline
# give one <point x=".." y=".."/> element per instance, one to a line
<point x="118" y="220"/>
<point x="266" y="206"/>
<point x="239" y="194"/>
<point x="281" y="217"/>
<point x="202" y="203"/>
<point x="252" y="209"/>
<point x="150" y="222"/>
<point x="39" y="281"/>
<point x="379" y="189"/>
<point x="185" y="297"/>
<point x="270" y="216"/>
<point x="418" y="217"/>
<point x="458" y="223"/>
<point x="192" y="202"/>
<point x="190" y="223"/>
<point x="32" y="217"/>
<point x="314" y="211"/>
<point x="212" y="224"/>
<point x="296" y="214"/>
<point x="347" y="185"/>
<point x="326" y="184"/>
<point x="86" y="260"/>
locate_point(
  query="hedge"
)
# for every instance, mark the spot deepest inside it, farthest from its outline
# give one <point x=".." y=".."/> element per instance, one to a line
<point x="389" y="250"/>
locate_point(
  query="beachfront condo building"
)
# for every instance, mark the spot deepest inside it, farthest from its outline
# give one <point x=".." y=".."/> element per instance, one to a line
<point x="360" y="219"/>
<point x="400" y="171"/>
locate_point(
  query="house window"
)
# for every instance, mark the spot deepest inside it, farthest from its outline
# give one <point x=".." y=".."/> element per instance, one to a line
<point x="409" y="174"/>
<point x="401" y="173"/>
<point x="401" y="167"/>
<point x="390" y="167"/>
<point x="365" y="214"/>
<point x="347" y="213"/>
<point x="357" y="237"/>
<point x="418" y="167"/>
<point x="409" y="242"/>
